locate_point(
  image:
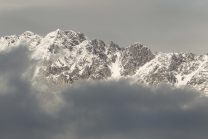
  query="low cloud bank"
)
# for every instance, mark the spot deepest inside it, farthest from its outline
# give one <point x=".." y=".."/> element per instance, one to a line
<point x="95" y="110"/>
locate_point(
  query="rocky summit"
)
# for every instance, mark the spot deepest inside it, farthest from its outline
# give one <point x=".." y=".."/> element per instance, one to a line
<point x="67" y="56"/>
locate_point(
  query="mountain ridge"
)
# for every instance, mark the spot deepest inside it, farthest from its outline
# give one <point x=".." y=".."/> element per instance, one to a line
<point x="67" y="56"/>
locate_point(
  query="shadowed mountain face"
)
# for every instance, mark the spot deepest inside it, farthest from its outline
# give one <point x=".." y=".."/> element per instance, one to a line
<point x="66" y="56"/>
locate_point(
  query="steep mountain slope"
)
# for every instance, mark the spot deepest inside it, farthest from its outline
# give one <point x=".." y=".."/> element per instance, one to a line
<point x="66" y="56"/>
<point x="177" y="69"/>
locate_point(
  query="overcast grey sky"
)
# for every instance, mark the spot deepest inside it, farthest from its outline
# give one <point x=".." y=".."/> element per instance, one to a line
<point x="162" y="25"/>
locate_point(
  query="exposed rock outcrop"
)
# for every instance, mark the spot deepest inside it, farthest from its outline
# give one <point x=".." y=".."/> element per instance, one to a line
<point x="67" y="56"/>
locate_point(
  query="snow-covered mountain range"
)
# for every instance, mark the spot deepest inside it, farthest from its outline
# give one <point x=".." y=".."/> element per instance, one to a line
<point x="66" y="56"/>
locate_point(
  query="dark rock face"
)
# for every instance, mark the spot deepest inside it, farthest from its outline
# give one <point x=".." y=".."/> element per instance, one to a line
<point x="104" y="72"/>
<point x="175" y="62"/>
<point x="81" y="37"/>
<point x="114" y="58"/>
<point x="197" y="81"/>
<point x="63" y="79"/>
<point x="168" y="75"/>
<point x="161" y="75"/>
<point x="86" y="73"/>
<point x="135" y="56"/>
<point x="112" y="48"/>
<point x="54" y="49"/>
<point x="97" y="43"/>
<point x="171" y="78"/>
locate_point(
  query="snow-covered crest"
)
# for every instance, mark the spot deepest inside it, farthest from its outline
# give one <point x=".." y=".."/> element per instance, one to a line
<point x="67" y="56"/>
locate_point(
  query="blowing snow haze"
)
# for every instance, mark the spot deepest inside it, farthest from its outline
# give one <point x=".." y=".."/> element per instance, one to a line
<point x="65" y="85"/>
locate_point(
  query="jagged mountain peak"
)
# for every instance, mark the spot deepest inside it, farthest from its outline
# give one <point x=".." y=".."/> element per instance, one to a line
<point x="137" y="45"/>
<point x="61" y="32"/>
<point x="67" y="56"/>
<point x="28" y="33"/>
